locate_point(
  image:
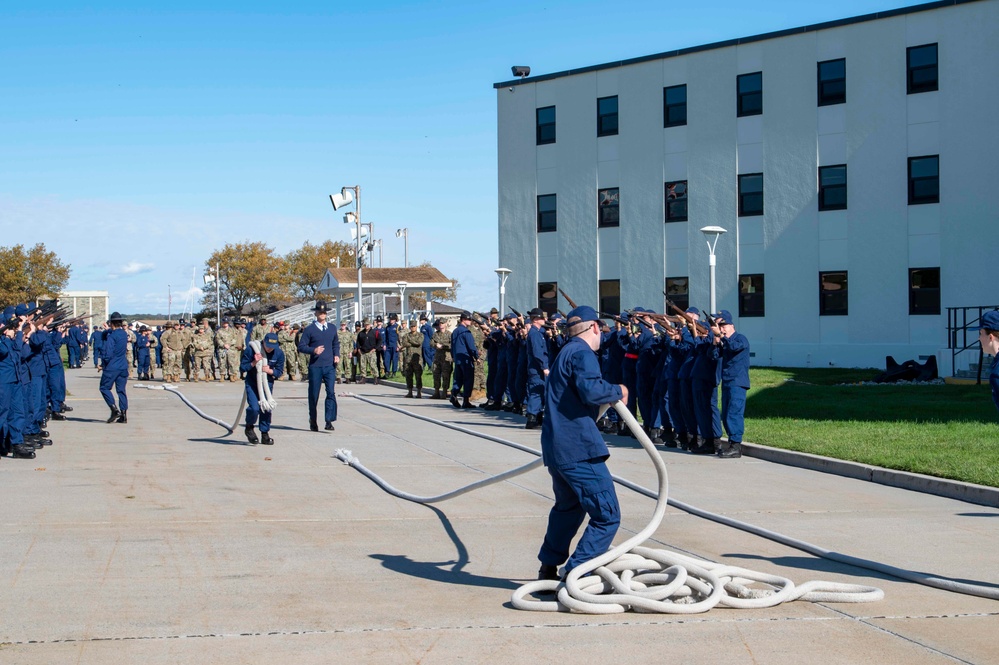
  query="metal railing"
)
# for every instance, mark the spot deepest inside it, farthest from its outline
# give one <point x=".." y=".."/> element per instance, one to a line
<point x="960" y="340"/>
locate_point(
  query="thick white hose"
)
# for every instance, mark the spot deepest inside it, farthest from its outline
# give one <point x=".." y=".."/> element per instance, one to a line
<point x="217" y="421"/>
<point x="264" y="396"/>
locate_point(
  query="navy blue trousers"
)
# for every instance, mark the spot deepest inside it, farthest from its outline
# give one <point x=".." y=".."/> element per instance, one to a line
<point x="464" y="375"/>
<point x="319" y="377"/>
<point x="74" y="355"/>
<point x="118" y="379"/>
<point x="391" y="361"/>
<point x="56" y="377"/>
<point x="11" y="414"/>
<point x="706" y="409"/>
<point x="143" y="361"/>
<point x="253" y="412"/>
<point x="535" y="392"/>
<point x="733" y="410"/>
<point x="34" y="405"/>
<point x="629" y="377"/>
<point x="582" y="489"/>
<point x="687" y="406"/>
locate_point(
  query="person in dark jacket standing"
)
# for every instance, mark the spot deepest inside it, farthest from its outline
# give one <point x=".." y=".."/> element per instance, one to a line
<point x="13" y="381"/>
<point x="733" y="348"/>
<point x="114" y="361"/>
<point x="988" y="336"/>
<point x="322" y="342"/>
<point x="271" y="349"/>
<point x="574" y="451"/>
<point x="537" y="368"/>
<point x="464" y="355"/>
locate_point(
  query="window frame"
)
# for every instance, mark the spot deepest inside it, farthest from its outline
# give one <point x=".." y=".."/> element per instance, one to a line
<point x="542" y="215"/>
<point x="604" y="118"/>
<point x="741" y="102"/>
<point x="668" y="107"/>
<point x="912" y="88"/>
<point x="830" y="99"/>
<point x="602" y="298"/>
<point x="611" y="204"/>
<point x="825" y="309"/>
<point x="742" y="196"/>
<point x="745" y="298"/>
<point x="548" y="305"/>
<point x="681" y="301"/>
<point x="915" y="309"/>
<point x="914" y="181"/>
<point x="684" y="199"/>
<point x="824" y="190"/>
<point x="539" y="127"/>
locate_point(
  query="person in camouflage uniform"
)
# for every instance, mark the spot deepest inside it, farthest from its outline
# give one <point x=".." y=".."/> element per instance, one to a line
<point x="171" y="342"/>
<point x="478" y="369"/>
<point x="130" y="350"/>
<point x="366" y="350"/>
<point x="411" y="345"/>
<point x="286" y="340"/>
<point x="303" y="358"/>
<point x="259" y="330"/>
<point x="153" y="343"/>
<point x="441" y="341"/>
<point x="185" y="336"/>
<point x="227" y="339"/>
<point x="201" y="354"/>
<point x="346" y="337"/>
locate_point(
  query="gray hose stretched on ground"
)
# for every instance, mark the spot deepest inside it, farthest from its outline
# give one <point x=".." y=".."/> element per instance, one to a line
<point x="217" y="421"/>
<point x="982" y="590"/>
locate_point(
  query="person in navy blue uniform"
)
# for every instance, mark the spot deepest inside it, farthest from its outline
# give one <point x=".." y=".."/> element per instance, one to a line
<point x="321" y="341"/>
<point x="705" y="377"/>
<point x="464" y="355"/>
<point x="33" y="357"/>
<point x="273" y="369"/>
<point x="733" y="348"/>
<point x="427" y="350"/>
<point x="73" y="346"/>
<point x="575" y="453"/>
<point x="114" y="362"/>
<point x="390" y="346"/>
<point x="537" y="368"/>
<point x="96" y="339"/>
<point x="988" y="337"/>
<point x="689" y="420"/>
<point x="142" y="353"/>
<point x="55" y="378"/>
<point x="12" y="382"/>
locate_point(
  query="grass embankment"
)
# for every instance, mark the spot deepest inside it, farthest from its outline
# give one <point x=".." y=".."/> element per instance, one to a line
<point x="940" y="430"/>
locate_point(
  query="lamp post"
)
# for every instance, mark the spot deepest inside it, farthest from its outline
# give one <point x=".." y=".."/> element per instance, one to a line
<point x="712" y="233"/>
<point x="347" y="196"/>
<point x="402" y="299"/>
<point x="503" y="273"/>
<point x="404" y="233"/>
<point x="213" y="276"/>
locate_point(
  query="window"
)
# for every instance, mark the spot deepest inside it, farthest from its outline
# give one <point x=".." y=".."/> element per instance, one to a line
<point x="832" y="82"/>
<point x="547" y="213"/>
<point x="924" y="291"/>
<point x="675" y="106"/>
<point x="924" y="180"/>
<point x="607" y="116"/>
<point x="750" y="194"/>
<point x="832" y="187"/>
<point x="749" y="88"/>
<point x="832" y="293"/>
<point x="751" y="302"/>
<point x="921" y="68"/>
<point x="677" y="291"/>
<point x="610" y="296"/>
<point x="676" y="201"/>
<point x="546" y="125"/>
<point x="548" y="296"/>
<point x="608" y="207"/>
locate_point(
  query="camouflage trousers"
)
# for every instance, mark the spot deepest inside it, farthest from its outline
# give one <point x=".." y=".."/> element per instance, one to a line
<point x="343" y="369"/>
<point x="368" y="365"/>
<point x="290" y="363"/>
<point x="186" y="363"/>
<point x="413" y="368"/>
<point x="203" y="363"/>
<point x="479" y="376"/>
<point x="303" y="364"/>
<point x="171" y="363"/>
<point x="442" y="374"/>
<point x="229" y="363"/>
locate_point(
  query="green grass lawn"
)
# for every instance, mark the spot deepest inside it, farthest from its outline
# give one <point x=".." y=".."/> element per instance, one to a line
<point x="946" y="431"/>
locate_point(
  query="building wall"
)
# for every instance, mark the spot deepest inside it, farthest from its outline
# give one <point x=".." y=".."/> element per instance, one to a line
<point x="876" y="239"/>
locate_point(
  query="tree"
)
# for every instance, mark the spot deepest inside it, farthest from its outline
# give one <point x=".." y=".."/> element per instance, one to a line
<point x="305" y="266"/>
<point x="249" y="271"/>
<point x="26" y="276"/>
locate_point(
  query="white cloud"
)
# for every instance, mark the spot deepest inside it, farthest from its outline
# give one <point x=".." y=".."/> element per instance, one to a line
<point x="136" y="268"/>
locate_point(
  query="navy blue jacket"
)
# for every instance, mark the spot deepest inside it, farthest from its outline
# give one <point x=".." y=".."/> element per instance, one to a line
<point x="50" y="350"/>
<point x="735" y="361"/>
<point x="33" y="355"/>
<point x="12" y="370"/>
<point x="313" y="337"/>
<point x="573" y="394"/>
<point x="537" y="351"/>
<point x="113" y="353"/>
<point x="463" y="345"/>
<point x="275" y="359"/>
<point x="391" y="338"/>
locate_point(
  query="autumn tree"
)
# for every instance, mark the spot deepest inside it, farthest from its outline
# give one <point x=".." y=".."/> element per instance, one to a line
<point x="305" y="266"/>
<point x="248" y="271"/>
<point x="26" y="276"/>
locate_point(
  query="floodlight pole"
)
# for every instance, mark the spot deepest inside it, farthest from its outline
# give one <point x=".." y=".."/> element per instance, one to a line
<point x="503" y="273"/>
<point x="218" y="300"/>
<point x="404" y="234"/>
<point x="716" y="232"/>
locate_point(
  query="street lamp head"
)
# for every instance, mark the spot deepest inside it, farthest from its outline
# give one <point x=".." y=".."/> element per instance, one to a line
<point x="345" y="197"/>
<point x="503" y="271"/>
<point x="402" y="285"/>
<point x="709" y="230"/>
<point x="401" y="232"/>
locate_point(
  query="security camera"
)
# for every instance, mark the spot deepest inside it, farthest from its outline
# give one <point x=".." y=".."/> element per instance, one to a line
<point x="521" y="72"/>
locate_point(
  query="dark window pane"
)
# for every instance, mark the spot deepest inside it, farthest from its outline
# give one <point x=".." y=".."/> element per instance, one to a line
<point x="608" y="207"/>
<point x="832" y="82"/>
<point x="548" y="296"/>
<point x="607" y="116"/>
<point x="675" y="106"/>
<point x="749" y="89"/>
<point x="547" y="213"/>
<point x="832" y="187"/>
<point x="924" y="291"/>
<point x="610" y="296"/>
<point x="750" y="194"/>
<point x="833" y="293"/>
<point x="751" y="301"/>
<point x="921" y="69"/>
<point x="546" y="125"/>
<point x="676" y="201"/>
<point x="677" y="290"/>
<point x="924" y="180"/>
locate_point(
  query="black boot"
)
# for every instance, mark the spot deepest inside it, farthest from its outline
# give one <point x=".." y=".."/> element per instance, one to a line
<point x="122" y="418"/>
<point x="313" y="426"/>
<point x="465" y="404"/>
<point x="704" y="446"/>
<point x="655" y="434"/>
<point x="251" y="436"/>
<point x="23" y="452"/>
<point x="669" y="437"/>
<point x="532" y="422"/>
<point x="266" y="439"/>
<point x="419" y="389"/>
<point x="436" y="395"/>
<point x="57" y="416"/>
<point x="114" y="415"/>
<point x="409" y="385"/>
<point x="37" y="440"/>
<point x="454" y="401"/>
<point x="730" y="450"/>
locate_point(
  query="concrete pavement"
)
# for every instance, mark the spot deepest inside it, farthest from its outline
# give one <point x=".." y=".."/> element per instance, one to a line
<point x="164" y="541"/>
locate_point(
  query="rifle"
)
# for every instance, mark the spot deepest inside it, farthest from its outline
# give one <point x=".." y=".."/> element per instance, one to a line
<point x="519" y="315"/>
<point x="623" y="322"/>
<point x="572" y="303"/>
<point x="697" y="326"/>
<point x="562" y="314"/>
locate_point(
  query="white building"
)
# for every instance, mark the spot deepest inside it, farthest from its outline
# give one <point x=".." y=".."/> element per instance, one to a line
<point x="852" y="164"/>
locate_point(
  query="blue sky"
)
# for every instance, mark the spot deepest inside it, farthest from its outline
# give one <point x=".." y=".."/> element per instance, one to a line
<point x="135" y="139"/>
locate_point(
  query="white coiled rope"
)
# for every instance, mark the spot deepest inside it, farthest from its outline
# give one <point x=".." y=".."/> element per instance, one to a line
<point x="264" y="395"/>
<point x="632" y="577"/>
